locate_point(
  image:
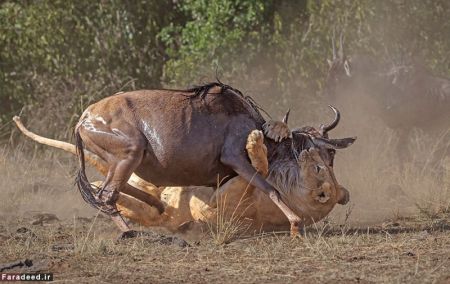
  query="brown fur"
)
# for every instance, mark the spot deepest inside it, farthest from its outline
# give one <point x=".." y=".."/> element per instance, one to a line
<point x="184" y="205"/>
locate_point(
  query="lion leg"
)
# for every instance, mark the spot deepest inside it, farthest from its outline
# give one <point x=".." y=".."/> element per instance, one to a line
<point x="257" y="152"/>
<point x="136" y="210"/>
<point x="139" y="212"/>
<point x="237" y="192"/>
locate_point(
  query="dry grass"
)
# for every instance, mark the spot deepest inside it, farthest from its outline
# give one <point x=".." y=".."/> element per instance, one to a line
<point x="395" y="231"/>
<point x="229" y="223"/>
<point x="66" y="249"/>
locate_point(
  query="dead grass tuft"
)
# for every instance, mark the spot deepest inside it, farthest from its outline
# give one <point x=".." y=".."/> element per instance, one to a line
<point x="229" y="223"/>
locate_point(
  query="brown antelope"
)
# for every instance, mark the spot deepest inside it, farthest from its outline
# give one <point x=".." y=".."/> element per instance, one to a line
<point x="189" y="137"/>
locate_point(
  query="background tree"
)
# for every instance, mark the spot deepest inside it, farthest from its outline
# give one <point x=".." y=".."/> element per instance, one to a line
<point x="58" y="56"/>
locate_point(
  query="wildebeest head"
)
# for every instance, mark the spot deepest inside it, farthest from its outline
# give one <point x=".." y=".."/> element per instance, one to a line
<point x="352" y="71"/>
<point x="287" y="160"/>
<point x="310" y="137"/>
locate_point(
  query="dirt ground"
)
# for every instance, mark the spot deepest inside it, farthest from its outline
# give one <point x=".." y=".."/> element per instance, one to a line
<point x="85" y="250"/>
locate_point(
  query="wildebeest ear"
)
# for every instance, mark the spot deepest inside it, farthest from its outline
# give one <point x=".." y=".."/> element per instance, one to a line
<point x="334" y="143"/>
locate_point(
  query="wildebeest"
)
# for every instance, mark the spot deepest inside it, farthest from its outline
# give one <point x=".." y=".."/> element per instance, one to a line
<point x="313" y="198"/>
<point x="404" y="97"/>
<point x="357" y="83"/>
<point x="423" y="99"/>
<point x="182" y="138"/>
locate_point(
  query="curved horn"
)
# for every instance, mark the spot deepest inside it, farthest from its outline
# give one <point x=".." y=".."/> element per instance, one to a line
<point x="331" y="126"/>
<point x="286" y="116"/>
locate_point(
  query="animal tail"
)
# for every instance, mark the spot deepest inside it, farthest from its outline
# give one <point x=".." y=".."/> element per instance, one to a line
<point x="84" y="186"/>
<point x="89" y="157"/>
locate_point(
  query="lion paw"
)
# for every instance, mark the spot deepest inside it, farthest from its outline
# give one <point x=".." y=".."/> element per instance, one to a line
<point x="257" y="152"/>
<point x="255" y="138"/>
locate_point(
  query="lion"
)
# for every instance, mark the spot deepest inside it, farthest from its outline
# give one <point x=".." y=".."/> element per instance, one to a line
<point x="175" y="208"/>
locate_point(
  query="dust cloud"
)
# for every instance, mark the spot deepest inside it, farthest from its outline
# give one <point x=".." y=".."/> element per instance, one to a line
<point x="388" y="177"/>
<point x="40" y="182"/>
<point x="382" y="186"/>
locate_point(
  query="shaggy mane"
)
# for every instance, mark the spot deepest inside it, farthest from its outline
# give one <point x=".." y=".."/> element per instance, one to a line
<point x="285" y="176"/>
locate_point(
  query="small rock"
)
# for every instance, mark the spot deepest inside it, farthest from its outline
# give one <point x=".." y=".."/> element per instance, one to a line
<point x="63" y="247"/>
<point x="24" y="234"/>
<point x="409" y="253"/>
<point x="16" y="264"/>
<point x="41" y="218"/>
<point x="171" y="240"/>
<point x="152" y="237"/>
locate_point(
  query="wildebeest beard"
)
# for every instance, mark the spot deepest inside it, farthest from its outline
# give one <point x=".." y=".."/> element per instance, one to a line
<point x="286" y="176"/>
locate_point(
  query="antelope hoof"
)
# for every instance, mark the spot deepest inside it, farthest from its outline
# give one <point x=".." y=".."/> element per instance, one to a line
<point x="107" y="207"/>
<point x="129" y="235"/>
<point x="108" y="197"/>
<point x="295" y="229"/>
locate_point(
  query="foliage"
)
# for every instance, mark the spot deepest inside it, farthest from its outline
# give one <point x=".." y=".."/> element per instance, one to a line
<point x="68" y="53"/>
<point x="215" y="34"/>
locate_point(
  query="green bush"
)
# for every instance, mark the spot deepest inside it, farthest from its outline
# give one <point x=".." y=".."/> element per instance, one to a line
<point x="58" y="56"/>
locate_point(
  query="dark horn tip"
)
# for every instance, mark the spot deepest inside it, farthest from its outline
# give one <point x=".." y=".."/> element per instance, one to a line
<point x="335" y="122"/>
<point x="286" y="116"/>
<point x="334" y="109"/>
<point x="352" y="140"/>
